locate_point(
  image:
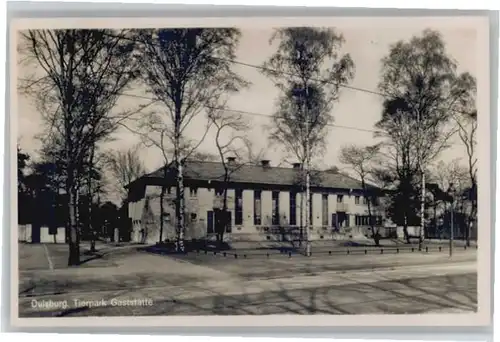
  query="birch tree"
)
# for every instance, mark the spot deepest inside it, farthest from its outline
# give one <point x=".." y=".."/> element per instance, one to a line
<point x="466" y="121"/>
<point x="82" y="74"/>
<point x="188" y="71"/>
<point x="309" y="70"/>
<point x="422" y="89"/>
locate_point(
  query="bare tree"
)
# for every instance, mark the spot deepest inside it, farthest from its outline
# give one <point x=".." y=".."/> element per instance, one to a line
<point x="125" y="166"/>
<point x="189" y="72"/>
<point x="452" y="174"/>
<point x="84" y="72"/>
<point x="360" y="159"/>
<point x="466" y="120"/>
<point x="422" y="88"/>
<point x="235" y="151"/>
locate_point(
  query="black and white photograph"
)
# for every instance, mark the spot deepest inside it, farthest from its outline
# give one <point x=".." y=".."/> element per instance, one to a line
<point x="328" y="166"/>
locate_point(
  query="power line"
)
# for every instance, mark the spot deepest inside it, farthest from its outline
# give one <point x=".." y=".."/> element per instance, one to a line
<point x="263" y="115"/>
<point x="259" y="67"/>
<point x="365" y="130"/>
<point x="262" y="68"/>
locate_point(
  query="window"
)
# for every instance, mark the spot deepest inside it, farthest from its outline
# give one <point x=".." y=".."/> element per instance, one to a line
<point x="257" y="220"/>
<point x="169" y="190"/>
<point x="193" y="217"/>
<point x="193" y="192"/>
<point x="238" y="210"/>
<point x="219" y="192"/>
<point x="276" y="208"/>
<point x="293" y="209"/>
<point x="324" y="207"/>
<point x="340" y="198"/>
<point x="356" y="200"/>
<point x="365" y="200"/>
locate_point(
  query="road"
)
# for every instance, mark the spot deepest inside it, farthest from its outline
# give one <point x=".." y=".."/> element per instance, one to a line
<point x="145" y="284"/>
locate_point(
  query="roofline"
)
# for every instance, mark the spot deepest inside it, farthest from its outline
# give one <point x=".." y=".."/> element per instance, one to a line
<point x="149" y="176"/>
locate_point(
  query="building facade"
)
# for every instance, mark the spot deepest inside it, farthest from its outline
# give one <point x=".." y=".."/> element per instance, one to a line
<point x="262" y="203"/>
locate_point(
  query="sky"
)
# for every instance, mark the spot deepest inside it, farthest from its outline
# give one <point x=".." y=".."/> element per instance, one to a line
<point x="355" y="112"/>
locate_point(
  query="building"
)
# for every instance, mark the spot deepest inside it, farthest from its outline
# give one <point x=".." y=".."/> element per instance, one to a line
<point x="260" y="198"/>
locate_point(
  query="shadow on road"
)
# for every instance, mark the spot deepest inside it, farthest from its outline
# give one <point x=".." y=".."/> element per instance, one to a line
<point x="409" y="296"/>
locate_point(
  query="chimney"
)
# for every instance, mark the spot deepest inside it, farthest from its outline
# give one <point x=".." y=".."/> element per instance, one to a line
<point x="296" y="165"/>
<point x="231" y="160"/>
<point x="265" y="163"/>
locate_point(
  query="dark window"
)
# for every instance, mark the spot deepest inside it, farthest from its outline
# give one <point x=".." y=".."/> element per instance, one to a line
<point x="169" y="190"/>
<point x="219" y="192"/>
<point x="334" y="220"/>
<point x="324" y="208"/>
<point x="340" y="198"/>
<point x="365" y="200"/>
<point x="293" y="209"/>
<point x="210" y="222"/>
<point x="276" y="208"/>
<point x="238" y="212"/>
<point x="193" y="216"/>
<point x="257" y="208"/>
<point x="356" y="200"/>
<point x="193" y="192"/>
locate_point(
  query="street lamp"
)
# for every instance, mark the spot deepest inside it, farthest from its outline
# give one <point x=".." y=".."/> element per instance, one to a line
<point x="451" y="198"/>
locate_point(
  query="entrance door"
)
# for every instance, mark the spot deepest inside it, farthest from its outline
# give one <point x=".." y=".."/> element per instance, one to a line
<point x="219" y="219"/>
<point x="335" y="223"/>
<point x="342" y="219"/>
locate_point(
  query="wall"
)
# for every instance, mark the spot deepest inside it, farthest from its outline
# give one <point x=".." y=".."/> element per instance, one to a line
<point x="25" y="234"/>
<point x="45" y="237"/>
<point x="147" y="217"/>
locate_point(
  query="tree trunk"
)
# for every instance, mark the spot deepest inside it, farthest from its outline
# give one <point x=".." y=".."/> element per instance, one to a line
<point x="472" y="216"/>
<point x="162" y="212"/>
<point x="162" y="204"/>
<point x="225" y="216"/>
<point x="180" y="209"/>
<point x="74" y="239"/>
<point x="375" y="235"/>
<point x="90" y="226"/>
<point x="421" y="234"/>
<point x="405" y="229"/>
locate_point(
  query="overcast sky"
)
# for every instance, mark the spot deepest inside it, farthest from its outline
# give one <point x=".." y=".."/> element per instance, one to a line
<point x="356" y="109"/>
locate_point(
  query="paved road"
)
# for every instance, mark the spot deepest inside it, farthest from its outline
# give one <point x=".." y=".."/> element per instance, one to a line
<point x="184" y="288"/>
